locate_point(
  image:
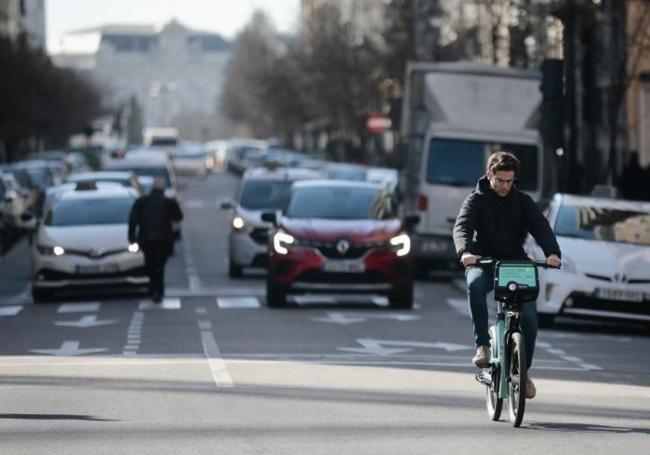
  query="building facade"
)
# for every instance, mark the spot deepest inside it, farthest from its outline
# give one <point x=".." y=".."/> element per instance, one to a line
<point x="23" y="16"/>
<point x="173" y="72"/>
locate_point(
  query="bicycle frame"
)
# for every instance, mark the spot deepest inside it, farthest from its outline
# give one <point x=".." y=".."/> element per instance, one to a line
<point x="504" y="325"/>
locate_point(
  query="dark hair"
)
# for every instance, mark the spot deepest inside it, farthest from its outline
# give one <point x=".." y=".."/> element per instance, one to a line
<point x="503" y="161"/>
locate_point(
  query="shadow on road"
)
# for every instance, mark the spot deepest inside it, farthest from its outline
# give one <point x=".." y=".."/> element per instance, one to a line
<point x="54" y="417"/>
<point x="587" y="428"/>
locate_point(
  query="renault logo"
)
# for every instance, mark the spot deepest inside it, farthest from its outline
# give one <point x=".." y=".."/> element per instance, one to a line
<point x="342" y="246"/>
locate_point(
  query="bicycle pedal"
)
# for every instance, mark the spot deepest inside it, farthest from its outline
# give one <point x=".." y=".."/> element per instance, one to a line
<point x="484" y="376"/>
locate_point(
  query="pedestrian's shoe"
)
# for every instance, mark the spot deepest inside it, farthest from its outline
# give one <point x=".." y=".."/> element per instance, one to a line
<point x="482" y="357"/>
<point x="531" y="391"/>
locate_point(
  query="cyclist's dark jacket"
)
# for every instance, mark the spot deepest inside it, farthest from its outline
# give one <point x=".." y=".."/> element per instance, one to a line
<point x="501" y="224"/>
<point x="153" y="215"/>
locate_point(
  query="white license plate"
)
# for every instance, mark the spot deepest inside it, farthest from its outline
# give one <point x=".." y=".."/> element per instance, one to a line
<point x="619" y="294"/>
<point x="344" y="266"/>
<point x="97" y="268"/>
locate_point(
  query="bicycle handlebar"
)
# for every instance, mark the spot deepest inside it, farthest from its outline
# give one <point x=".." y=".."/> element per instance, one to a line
<point x="487" y="261"/>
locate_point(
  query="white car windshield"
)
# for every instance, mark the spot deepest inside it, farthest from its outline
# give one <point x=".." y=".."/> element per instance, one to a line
<point x="75" y="212"/>
<point x="605" y="224"/>
<point x="265" y="194"/>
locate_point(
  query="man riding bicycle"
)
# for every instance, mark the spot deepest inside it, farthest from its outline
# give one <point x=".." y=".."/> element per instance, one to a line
<point x="494" y="221"/>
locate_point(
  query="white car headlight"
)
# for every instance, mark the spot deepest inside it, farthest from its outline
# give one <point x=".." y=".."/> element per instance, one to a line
<point x="51" y="250"/>
<point x="282" y="241"/>
<point x="401" y="244"/>
<point x="134" y="247"/>
<point x="238" y="223"/>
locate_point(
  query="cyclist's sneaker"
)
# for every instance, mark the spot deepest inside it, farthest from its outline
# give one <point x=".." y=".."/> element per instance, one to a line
<point x="482" y="357"/>
<point x="531" y="391"/>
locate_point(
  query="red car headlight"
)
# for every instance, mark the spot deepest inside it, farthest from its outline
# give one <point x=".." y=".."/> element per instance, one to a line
<point x="401" y="244"/>
<point x="282" y="241"/>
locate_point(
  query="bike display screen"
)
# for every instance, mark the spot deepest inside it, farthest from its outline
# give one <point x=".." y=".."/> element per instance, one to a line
<point x="520" y="274"/>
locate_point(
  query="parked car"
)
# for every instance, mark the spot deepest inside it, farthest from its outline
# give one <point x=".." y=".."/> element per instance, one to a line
<point x="605" y="246"/>
<point x="83" y="241"/>
<point x="127" y="179"/>
<point x="260" y="189"/>
<point x="340" y="237"/>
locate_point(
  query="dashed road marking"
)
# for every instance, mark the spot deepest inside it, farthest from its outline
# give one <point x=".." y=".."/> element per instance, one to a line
<point x="216" y="362"/>
<point x="10" y="310"/>
<point x="238" y="302"/>
<point x="166" y="304"/>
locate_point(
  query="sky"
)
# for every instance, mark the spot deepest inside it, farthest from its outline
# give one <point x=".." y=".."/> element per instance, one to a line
<point x="225" y="17"/>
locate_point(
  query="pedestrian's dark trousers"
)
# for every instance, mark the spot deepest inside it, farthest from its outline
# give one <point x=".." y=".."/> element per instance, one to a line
<point x="155" y="256"/>
<point x="480" y="282"/>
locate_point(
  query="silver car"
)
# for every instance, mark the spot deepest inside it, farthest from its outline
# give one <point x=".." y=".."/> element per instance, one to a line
<point x="260" y="190"/>
<point x="82" y="241"/>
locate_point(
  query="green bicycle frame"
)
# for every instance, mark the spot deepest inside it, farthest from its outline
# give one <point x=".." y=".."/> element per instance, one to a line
<point x="501" y="349"/>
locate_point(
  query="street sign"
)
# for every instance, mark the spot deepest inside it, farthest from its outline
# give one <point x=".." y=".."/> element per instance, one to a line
<point x="377" y="123"/>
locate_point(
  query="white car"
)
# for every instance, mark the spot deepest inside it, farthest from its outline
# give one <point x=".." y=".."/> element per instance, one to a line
<point x="605" y="273"/>
<point x="260" y="190"/>
<point x="82" y="241"/>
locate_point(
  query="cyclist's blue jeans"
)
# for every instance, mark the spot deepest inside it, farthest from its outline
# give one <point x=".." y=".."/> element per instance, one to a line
<point x="479" y="282"/>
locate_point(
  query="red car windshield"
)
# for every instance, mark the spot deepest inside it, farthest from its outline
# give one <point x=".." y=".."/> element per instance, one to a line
<point x="344" y="203"/>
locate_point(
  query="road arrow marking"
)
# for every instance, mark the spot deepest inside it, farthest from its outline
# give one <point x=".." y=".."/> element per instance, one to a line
<point x="68" y="348"/>
<point x="86" y="321"/>
<point x="353" y="318"/>
<point x="377" y="347"/>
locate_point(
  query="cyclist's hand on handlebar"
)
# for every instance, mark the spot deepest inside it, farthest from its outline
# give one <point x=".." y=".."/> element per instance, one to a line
<point x="553" y="260"/>
<point x="468" y="259"/>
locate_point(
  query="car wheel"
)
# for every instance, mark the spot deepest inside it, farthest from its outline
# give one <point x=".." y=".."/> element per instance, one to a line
<point x="545" y="320"/>
<point x="276" y="295"/>
<point x="401" y="297"/>
<point x="41" y="295"/>
<point x="234" y="270"/>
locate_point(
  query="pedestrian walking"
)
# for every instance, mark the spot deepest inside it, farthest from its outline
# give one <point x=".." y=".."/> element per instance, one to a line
<point x="151" y="225"/>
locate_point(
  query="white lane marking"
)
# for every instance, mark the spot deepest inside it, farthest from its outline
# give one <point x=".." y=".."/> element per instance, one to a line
<point x="306" y="299"/>
<point x="10" y="310"/>
<point x="134" y="334"/>
<point x="238" y="302"/>
<point x="194" y="204"/>
<point x="86" y="321"/>
<point x="205" y="325"/>
<point x="214" y="292"/>
<point x="345" y="318"/>
<point x="192" y="275"/>
<point x="378" y="347"/>
<point x="581" y="364"/>
<point x="166" y="304"/>
<point x="68" y="348"/>
<point x="86" y="307"/>
<point x="216" y="363"/>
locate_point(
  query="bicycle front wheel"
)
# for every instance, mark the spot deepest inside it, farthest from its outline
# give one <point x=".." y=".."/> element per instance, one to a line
<point x="517" y="376"/>
<point x="493" y="402"/>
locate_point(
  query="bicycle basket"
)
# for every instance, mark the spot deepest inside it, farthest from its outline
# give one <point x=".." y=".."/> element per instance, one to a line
<point x="515" y="281"/>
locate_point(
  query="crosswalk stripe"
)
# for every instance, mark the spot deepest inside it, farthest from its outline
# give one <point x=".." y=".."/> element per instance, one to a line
<point x="238" y="302"/>
<point x="10" y="310"/>
<point x="81" y="307"/>
<point x="166" y="304"/>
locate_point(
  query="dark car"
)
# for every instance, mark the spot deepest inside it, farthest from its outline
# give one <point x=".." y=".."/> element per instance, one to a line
<point x="340" y="237"/>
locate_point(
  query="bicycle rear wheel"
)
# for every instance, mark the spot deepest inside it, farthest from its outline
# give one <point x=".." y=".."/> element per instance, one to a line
<point x="493" y="402"/>
<point x="516" y="377"/>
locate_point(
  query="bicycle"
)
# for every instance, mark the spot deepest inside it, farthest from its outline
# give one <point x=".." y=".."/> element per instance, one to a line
<point x="515" y="284"/>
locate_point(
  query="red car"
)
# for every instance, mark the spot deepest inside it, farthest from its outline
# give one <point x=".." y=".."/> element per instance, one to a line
<point x="340" y="237"/>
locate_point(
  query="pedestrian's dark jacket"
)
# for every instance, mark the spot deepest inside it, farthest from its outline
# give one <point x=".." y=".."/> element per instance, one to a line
<point x="152" y="216"/>
<point x="496" y="227"/>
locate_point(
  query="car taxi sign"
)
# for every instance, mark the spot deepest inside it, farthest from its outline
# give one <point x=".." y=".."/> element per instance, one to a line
<point x="377" y="123"/>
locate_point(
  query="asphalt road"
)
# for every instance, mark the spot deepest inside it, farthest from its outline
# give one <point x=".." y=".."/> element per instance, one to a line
<point x="214" y="371"/>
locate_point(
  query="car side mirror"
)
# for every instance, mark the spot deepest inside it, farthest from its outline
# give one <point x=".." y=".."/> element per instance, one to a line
<point x="270" y="217"/>
<point x="29" y="222"/>
<point x="410" y="221"/>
